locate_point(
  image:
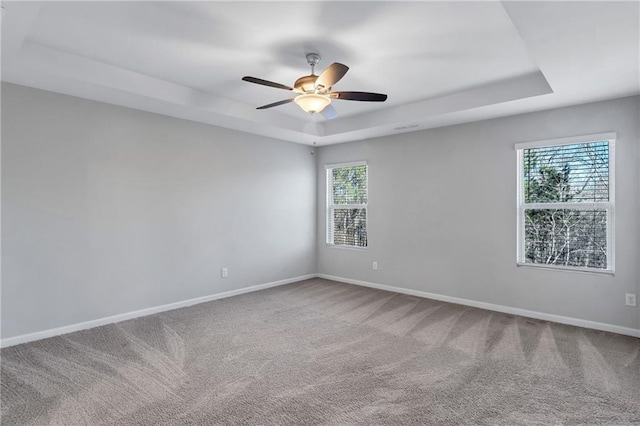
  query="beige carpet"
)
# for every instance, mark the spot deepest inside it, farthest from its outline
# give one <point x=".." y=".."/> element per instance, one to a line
<point x="320" y="352"/>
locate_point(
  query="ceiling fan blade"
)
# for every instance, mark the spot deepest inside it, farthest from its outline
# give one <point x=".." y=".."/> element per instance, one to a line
<point x="329" y="112"/>
<point x="266" y="83"/>
<point x="359" y="96"/>
<point x="275" y="104"/>
<point x="332" y="75"/>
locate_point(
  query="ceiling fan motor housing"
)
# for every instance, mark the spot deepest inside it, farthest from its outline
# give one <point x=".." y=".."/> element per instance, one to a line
<point x="306" y="84"/>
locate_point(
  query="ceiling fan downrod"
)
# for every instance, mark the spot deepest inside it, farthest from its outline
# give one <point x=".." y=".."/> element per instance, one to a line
<point x="313" y="59"/>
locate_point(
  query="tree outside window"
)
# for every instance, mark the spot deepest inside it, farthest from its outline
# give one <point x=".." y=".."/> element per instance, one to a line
<point x="565" y="205"/>
<point x="347" y="205"/>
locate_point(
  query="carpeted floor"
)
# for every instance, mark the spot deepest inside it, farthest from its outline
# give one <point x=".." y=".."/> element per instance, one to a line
<point x="321" y="352"/>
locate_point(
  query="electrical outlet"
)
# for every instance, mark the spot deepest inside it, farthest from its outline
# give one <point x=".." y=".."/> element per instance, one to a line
<point x="224" y="272"/>
<point x="630" y="299"/>
<point x="375" y="266"/>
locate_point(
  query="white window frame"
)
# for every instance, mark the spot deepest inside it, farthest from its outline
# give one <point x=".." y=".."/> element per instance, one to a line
<point x="331" y="206"/>
<point x="609" y="206"/>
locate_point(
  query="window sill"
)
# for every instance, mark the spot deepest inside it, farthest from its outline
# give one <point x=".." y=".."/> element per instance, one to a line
<point x="567" y="269"/>
<point x="346" y="247"/>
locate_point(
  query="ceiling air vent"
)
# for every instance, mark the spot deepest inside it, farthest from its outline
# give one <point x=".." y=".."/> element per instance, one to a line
<point x="408" y="126"/>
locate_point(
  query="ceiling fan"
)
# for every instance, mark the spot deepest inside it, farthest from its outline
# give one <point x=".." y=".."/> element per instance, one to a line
<point x="314" y="91"/>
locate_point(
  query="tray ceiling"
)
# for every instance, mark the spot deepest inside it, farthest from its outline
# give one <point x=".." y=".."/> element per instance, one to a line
<point x="440" y="63"/>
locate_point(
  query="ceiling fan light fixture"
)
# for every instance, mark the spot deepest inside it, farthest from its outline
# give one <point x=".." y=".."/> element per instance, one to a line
<point x="312" y="102"/>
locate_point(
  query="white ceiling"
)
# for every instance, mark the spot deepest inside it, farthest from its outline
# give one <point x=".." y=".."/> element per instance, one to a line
<point x="440" y="63"/>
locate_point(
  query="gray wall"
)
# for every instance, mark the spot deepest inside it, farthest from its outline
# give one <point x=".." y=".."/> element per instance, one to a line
<point x="638" y="214"/>
<point x="107" y="210"/>
<point x="442" y="214"/>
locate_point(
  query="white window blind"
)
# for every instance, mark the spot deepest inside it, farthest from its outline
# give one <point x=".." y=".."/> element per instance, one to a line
<point x="566" y="204"/>
<point x="347" y="197"/>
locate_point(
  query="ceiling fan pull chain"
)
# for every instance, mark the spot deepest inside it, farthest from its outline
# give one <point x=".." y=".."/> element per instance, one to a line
<point x="315" y="125"/>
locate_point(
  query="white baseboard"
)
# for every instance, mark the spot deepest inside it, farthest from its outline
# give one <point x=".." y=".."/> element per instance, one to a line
<point x="492" y="307"/>
<point x="25" y="338"/>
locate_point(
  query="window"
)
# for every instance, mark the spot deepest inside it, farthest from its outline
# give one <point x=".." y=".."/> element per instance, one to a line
<point x="347" y="205"/>
<point x="566" y="203"/>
